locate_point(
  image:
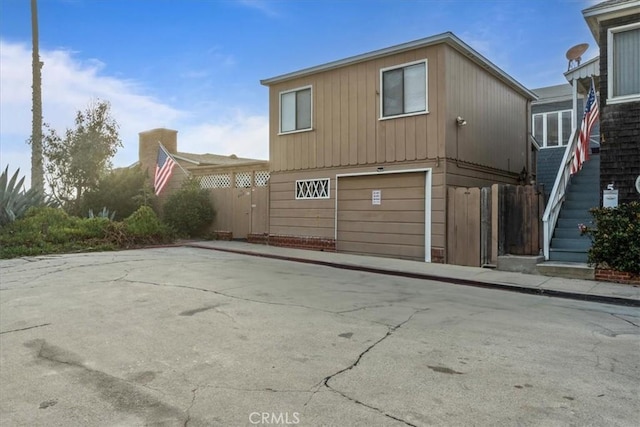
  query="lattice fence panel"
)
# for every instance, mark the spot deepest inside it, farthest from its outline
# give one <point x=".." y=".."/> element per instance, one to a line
<point x="243" y="179"/>
<point x="262" y="178"/>
<point x="222" y="180"/>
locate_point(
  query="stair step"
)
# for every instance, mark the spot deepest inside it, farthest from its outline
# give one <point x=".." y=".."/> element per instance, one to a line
<point x="569" y="270"/>
<point x="568" y="223"/>
<point x="576" y="244"/>
<point x="567" y="255"/>
<point x="584" y="205"/>
<point x="570" y="233"/>
<point x="580" y="214"/>
<point x="592" y="195"/>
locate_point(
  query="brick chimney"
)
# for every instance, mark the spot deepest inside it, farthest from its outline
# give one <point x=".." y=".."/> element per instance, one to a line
<point x="148" y="147"/>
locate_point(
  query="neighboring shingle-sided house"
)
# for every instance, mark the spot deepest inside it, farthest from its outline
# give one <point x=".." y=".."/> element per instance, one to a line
<point x="552" y="123"/>
<point x="615" y="25"/>
<point x="362" y="150"/>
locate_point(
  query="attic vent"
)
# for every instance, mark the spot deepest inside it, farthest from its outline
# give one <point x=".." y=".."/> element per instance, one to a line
<point x="233" y="156"/>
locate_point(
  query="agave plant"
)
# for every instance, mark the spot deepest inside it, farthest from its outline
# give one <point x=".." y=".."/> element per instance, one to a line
<point x="14" y="200"/>
<point x="104" y="213"/>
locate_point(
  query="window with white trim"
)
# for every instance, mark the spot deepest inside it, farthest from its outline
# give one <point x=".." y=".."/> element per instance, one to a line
<point x="552" y="129"/>
<point x="623" y="56"/>
<point x="295" y="110"/>
<point x="312" y="188"/>
<point x="403" y="89"/>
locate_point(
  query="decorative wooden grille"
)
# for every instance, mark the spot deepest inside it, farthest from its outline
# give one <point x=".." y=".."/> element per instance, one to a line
<point x="312" y="189"/>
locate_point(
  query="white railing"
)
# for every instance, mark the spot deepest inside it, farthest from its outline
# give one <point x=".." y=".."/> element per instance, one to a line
<point x="550" y="217"/>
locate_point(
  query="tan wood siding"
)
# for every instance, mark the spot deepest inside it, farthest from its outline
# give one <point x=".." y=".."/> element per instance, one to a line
<point x="497" y="121"/>
<point x="346" y="126"/>
<point x="316" y="218"/>
<point x="394" y="228"/>
<point x="292" y="217"/>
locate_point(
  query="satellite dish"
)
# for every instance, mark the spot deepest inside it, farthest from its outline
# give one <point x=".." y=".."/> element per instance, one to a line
<point x="638" y="184"/>
<point x="575" y="54"/>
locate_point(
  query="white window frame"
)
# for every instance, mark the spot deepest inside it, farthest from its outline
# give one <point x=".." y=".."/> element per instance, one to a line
<point x="558" y="113"/>
<point x="426" y="89"/>
<point x="298" y="89"/>
<point x="307" y="182"/>
<point x="610" y="65"/>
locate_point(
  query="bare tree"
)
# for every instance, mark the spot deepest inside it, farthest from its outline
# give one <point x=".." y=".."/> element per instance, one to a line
<point x="37" y="169"/>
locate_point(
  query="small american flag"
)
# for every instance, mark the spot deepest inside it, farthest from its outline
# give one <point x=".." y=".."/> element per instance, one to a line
<point x="164" y="169"/>
<point x="591" y="113"/>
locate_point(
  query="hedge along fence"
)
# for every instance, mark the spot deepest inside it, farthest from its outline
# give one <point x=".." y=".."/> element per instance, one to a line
<point x="616" y="238"/>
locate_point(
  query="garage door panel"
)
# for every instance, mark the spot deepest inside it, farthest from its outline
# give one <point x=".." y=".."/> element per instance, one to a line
<point x="393" y="181"/>
<point x="391" y="238"/>
<point x="380" y="216"/>
<point x="393" y="228"/>
<point x="396" y="194"/>
<point x="386" y="250"/>
<point x="386" y="227"/>
<point x="390" y="205"/>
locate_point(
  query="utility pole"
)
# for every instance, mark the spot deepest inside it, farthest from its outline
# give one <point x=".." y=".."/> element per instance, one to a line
<point x="37" y="168"/>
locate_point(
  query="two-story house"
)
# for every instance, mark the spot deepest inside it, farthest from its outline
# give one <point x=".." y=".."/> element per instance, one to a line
<point x="362" y="150"/>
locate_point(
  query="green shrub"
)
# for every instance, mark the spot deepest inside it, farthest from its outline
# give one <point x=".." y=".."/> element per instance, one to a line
<point x="144" y="226"/>
<point x="189" y="210"/>
<point x="616" y="237"/>
<point x="48" y="230"/>
<point x="120" y="192"/>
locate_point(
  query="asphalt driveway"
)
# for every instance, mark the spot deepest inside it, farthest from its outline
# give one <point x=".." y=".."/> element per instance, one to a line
<point x="194" y="337"/>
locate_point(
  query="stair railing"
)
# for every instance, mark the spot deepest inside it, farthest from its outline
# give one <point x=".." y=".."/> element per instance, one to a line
<point x="552" y="211"/>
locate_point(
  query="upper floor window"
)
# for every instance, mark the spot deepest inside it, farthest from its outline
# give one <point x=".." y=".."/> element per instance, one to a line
<point x="404" y="89"/>
<point x="295" y="110"/>
<point x="552" y="129"/>
<point x="623" y="45"/>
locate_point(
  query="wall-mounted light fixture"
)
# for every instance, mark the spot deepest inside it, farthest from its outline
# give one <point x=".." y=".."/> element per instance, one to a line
<point x="460" y="121"/>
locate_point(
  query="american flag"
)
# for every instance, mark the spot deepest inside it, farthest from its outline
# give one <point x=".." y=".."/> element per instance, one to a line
<point x="591" y="113"/>
<point x="164" y="169"/>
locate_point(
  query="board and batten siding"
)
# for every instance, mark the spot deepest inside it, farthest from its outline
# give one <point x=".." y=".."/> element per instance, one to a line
<point x="497" y="117"/>
<point x="316" y="217"/>
<point x="346" y="130"/>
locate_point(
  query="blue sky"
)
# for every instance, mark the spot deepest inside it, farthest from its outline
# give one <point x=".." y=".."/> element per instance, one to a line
<point x="196" y="65"/>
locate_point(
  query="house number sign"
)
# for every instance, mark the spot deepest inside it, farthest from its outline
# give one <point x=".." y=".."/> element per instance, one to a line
<point x="376" y="197"/>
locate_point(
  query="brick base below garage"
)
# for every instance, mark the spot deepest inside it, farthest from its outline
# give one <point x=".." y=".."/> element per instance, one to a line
<point x="314" y="243"/>
<point x="437" y="255"/>
<point x="222" y="235"/>
<point x="617" y="277"/>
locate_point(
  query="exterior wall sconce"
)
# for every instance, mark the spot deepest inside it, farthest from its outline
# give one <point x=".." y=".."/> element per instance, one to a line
<point x="460" y="121"/>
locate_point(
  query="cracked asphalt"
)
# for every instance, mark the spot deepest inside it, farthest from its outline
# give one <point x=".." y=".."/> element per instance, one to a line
<point x="194" y="337"/>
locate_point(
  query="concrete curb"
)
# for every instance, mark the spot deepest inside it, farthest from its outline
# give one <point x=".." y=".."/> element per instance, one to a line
<point x="457" y="281"/>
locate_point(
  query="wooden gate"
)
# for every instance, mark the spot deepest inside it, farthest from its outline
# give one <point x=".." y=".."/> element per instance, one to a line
<point x="463" y="226"/>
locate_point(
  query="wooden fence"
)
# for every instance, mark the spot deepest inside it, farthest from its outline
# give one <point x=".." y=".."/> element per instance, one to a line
<point x="484" y="223"/>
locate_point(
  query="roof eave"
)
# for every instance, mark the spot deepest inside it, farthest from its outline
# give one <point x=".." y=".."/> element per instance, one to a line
<point x="448" y="38"/>
<point x="595" y="14"/>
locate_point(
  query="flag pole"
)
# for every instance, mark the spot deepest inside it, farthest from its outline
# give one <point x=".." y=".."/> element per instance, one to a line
<point x="169" y="154"/>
